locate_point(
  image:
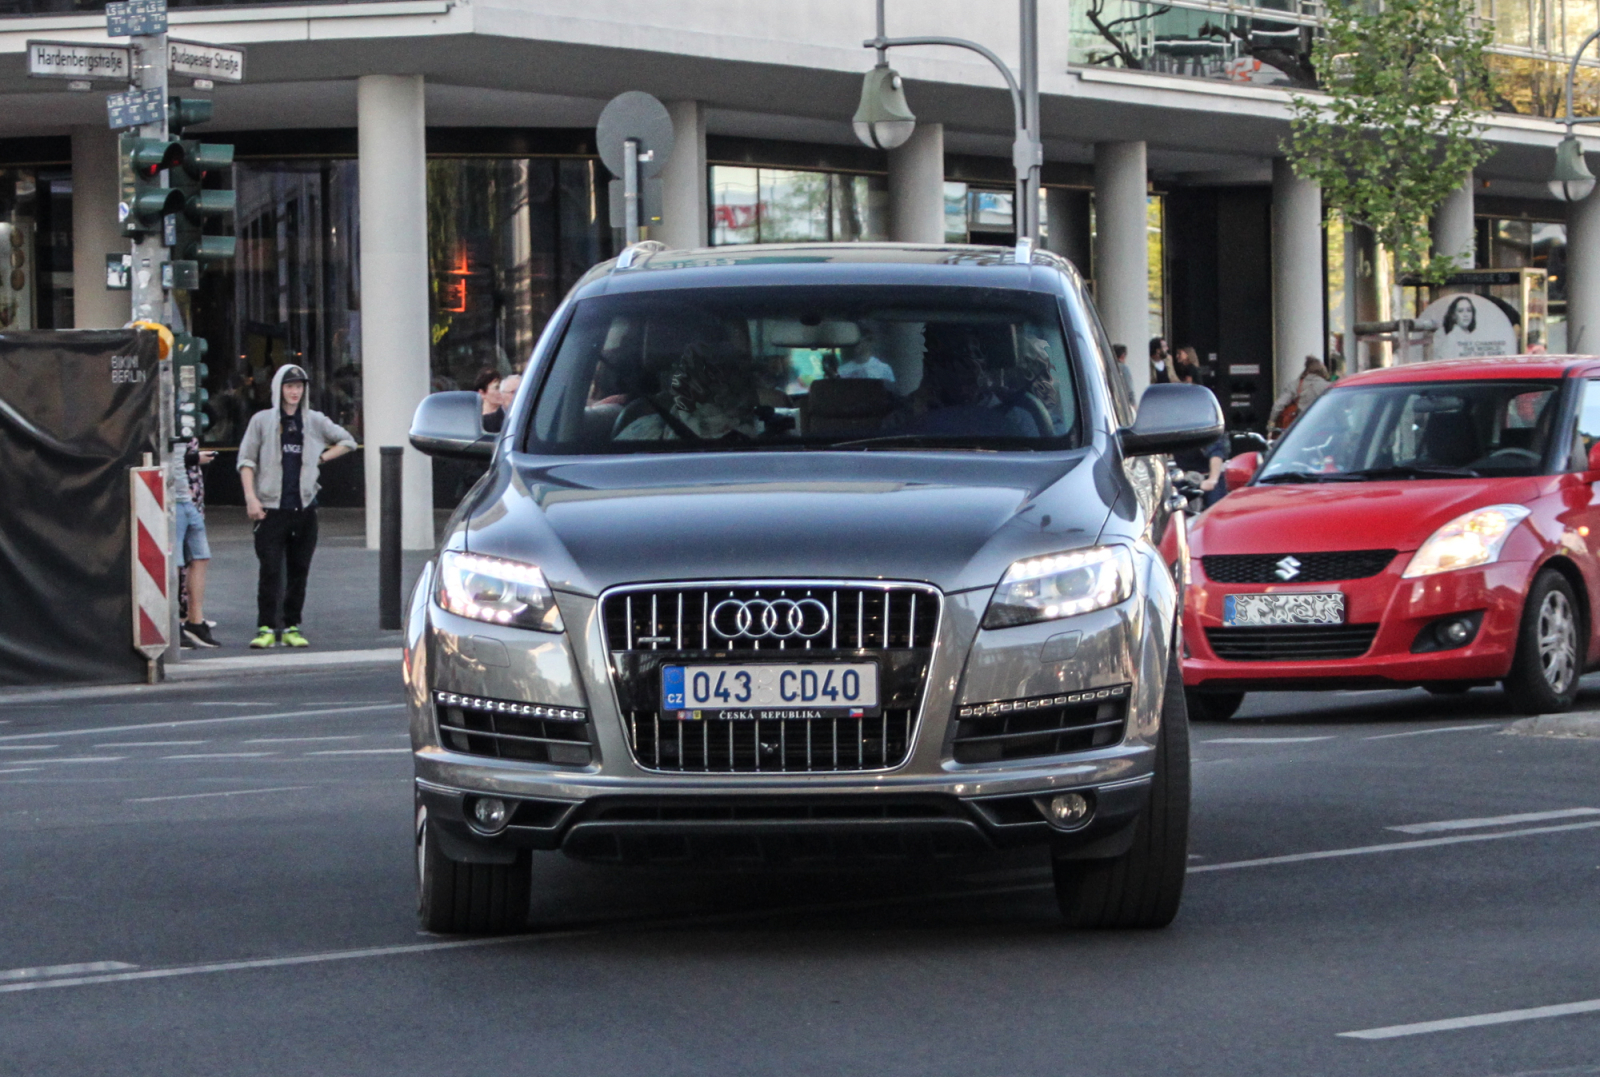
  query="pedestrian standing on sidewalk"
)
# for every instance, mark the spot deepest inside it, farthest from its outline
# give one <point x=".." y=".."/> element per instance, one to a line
<point x="493" y="403"/>
<point x="1160" y="361"/>
<point x="279" y="459"/>
<point x="189" y="491"/>
<point x="1119" y="352"/>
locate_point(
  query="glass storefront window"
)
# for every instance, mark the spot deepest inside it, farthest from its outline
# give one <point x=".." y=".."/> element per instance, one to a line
<point x="506" y="238"/>
<point x="292" y="293"/>
<point x="772" y="205"/>
<point x="35" y="248"/>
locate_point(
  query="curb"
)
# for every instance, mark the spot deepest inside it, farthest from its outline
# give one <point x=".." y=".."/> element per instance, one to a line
<point x="280" y="662"/>
<point x="1569" y="726"/>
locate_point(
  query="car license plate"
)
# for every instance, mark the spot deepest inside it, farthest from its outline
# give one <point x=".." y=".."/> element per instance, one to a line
<point x="1252" y="611"/>
<point x="771" y="691"/>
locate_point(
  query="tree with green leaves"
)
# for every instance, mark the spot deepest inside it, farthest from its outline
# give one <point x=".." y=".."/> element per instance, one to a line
<point x="1398" y="129"/>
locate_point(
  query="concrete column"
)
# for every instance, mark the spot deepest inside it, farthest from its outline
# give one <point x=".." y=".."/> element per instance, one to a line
<point x="1583" y="276"/>
<point x="916" y="187"/>
<point x="394" y="290"/>
<point x="1122" y="252"/>
<point x="1297" y="296"/>
<point x="1454" y="230"/>
<point x="1067" y="225"/>
<point x="685" y="202"/>
<point x="96" y="231"/>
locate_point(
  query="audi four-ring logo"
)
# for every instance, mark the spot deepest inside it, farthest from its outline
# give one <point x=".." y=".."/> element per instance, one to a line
<point x="762" y="618"/>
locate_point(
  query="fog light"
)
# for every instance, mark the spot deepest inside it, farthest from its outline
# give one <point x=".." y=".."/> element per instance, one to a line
<point x="1068" y="809"/>
<point x="1456" y="632"/>
<point x="490" y="813"/>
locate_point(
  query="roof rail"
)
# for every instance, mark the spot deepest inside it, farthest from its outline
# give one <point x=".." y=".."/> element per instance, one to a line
<point x="630" y="254"/>
<point x="1024" y="255"/>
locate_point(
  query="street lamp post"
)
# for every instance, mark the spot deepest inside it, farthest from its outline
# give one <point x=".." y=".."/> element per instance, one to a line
<point x="1572" y="181"/>
<point x="884" y="120"/>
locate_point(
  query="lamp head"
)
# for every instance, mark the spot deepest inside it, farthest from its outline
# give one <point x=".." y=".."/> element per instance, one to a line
<point x="1571" y="181"/>
<point x="883" y="120"/>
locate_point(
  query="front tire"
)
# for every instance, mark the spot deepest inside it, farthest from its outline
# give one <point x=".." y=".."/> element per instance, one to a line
<point x="1550" y="644"/>
<point x="1212" y="706"/>
<point x="458" y="898"/>
<point x="1143" y="887"/>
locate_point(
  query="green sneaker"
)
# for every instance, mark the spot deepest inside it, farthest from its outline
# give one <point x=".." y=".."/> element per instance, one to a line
<point x="293" y="638"/>
<point x="265" y="637"/>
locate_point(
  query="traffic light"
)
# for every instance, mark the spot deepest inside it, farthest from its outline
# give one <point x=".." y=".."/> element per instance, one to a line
<point x="144" y="200"/>
<point x="191" y="248"/>
<point x="189" y="374"/>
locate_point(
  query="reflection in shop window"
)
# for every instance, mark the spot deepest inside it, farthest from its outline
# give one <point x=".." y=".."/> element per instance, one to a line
<point x="771" y="205"/>
<point x="35" y="249"/>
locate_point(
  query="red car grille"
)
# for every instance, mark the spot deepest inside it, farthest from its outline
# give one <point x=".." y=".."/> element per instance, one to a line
<point x="1307" y="567"/>
<point x="1291" y="643"/>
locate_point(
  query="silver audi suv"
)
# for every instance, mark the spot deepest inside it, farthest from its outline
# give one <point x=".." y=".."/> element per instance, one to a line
<point x="787" y="553"/>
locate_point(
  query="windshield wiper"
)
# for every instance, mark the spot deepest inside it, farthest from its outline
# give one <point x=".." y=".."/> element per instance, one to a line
<point x="1413" y="471"/>
<point x="938" y="441"/>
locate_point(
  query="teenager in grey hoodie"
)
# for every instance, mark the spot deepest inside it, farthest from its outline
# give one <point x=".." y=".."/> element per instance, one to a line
<point x="278" y="463"/>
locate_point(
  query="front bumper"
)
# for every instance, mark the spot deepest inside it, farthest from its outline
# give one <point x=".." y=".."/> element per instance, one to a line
<point x="1402" y="609"/>
<point x="615" y="809"/>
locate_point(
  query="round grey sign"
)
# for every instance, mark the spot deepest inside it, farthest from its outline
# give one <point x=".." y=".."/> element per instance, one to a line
<point x="635" y="115"/>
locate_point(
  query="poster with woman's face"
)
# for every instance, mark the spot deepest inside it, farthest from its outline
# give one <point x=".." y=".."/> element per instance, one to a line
<point x="1470" y="327"/>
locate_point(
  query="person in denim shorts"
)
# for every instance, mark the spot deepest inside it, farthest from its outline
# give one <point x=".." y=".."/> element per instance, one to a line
<point x="189" y="492"/>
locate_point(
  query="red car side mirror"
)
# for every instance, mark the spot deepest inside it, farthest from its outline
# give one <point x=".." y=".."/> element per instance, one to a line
<point x="1242" y="468"/>
<point x="1594" y="457"/>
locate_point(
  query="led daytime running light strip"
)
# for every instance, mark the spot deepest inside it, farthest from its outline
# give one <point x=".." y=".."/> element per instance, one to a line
<point x="501" y="706"/>
<point x="984" y="710"/>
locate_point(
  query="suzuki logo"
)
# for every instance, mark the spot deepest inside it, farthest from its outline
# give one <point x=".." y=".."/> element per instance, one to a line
<point x="1288" y="568"/>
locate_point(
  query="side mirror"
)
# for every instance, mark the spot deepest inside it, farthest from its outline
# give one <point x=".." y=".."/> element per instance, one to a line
<point x="451" y="425"/>
<point x="1594" y="457"/>
<point x="1172" y="418"/>
<point x="1241" y="469"/>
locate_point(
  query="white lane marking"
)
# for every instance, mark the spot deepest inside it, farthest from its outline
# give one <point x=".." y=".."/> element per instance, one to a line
<point x="296" y="740"/>
<point x="228" y="793"/>
<point x="150" y="744"/>
<point x="219" y="755"/>
<point x="82" y="759"/>
<point x="1393" y="847"/>
<point x="1504" y="1017"/>
<point x="43" y="971"/>
<point x="257" y="703"/>
<point x="1437" y="729"/>
<point x="1262" y="740"/>
<point x="1493" y="820"/>
<point x="362" y="751"/>
<point x="202" y="721"/>
<point x="27" y="747"/>
<point x="17" y="770"/>
<point x="280" y="962"/>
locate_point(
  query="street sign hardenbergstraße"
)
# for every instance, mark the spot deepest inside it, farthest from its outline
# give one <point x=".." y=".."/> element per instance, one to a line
<point x="136" y="107"/>
<point x="73" y="60"/>
<point x="201" y="61"/>
<point x="136" y="17"/>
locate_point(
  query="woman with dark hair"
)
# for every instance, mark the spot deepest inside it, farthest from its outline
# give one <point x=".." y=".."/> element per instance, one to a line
<point x="488" y="389"/>
<point x="1462" y="314"/>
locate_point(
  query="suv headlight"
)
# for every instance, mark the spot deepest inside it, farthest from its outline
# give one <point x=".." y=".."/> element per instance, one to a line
<point x="500" y="592"/>
<point x="1472" y="539"/>
<point x="1061" y="585"/>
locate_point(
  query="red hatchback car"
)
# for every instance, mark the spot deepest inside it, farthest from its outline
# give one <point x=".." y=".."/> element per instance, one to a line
<point x="1433" y="525"/>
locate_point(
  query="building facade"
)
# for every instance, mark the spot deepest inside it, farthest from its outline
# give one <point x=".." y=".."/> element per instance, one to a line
<point x="418" y="184"/>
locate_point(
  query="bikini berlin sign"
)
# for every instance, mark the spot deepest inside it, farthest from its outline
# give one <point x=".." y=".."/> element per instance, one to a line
<point x="73" y="60"/>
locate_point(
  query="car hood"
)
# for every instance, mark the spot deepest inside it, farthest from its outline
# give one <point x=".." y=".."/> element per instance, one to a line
<point x="955" y="520"/>
<point x="1310" y="517"/>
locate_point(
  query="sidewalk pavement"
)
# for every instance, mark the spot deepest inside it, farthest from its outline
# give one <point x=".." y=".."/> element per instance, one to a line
<point x="341" y="614"/>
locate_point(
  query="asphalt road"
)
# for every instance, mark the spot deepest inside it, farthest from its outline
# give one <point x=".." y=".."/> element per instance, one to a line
<point x="216" y="879"/>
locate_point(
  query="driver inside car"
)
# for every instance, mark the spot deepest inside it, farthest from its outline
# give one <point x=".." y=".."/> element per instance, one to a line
<point x="710" y="395"/>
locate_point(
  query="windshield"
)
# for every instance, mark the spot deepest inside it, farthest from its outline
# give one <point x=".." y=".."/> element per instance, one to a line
<point x="794" y="368"/>
<point x="1443" y="429"/>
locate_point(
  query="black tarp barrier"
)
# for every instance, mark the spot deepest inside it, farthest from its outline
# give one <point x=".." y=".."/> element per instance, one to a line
<point x="77" y="409"/>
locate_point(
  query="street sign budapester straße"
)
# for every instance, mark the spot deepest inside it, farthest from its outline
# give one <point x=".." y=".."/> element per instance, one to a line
<point x="136" y="18"/>
<point x="75" y="60"/>
<point x="198" y="60"/>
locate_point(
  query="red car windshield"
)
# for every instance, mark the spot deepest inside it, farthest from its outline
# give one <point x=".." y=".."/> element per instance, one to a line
<point x="1424" y="430"/>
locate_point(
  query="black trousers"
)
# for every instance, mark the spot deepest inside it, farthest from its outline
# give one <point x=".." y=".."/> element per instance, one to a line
<point x="285" y="541"/>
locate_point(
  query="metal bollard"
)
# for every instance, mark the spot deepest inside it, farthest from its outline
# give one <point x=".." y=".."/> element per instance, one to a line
<point x="390" y="460"/>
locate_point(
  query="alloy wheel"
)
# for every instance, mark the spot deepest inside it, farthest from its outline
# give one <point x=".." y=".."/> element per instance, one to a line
<point x="1558" y="641"/>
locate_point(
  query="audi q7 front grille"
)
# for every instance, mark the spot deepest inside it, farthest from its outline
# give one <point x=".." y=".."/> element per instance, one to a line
<point x="651" y="627"/>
